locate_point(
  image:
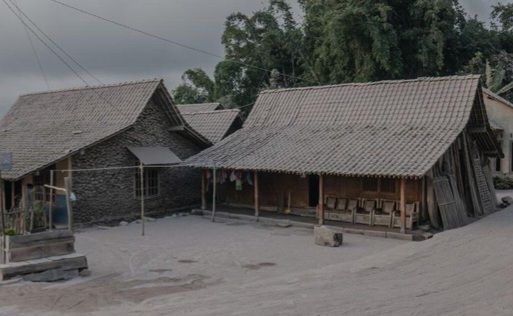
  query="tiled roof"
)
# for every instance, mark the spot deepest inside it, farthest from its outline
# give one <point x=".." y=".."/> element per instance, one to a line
<point x="388" y="128"/>
<point x="199" y="107"/>
<point x="214" y="125"/>
<point x="42" y="128"/>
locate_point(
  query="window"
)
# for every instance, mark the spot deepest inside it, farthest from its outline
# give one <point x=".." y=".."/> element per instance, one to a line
<point x="151" y="182"/>
<point x="387" y="185"/>
<point x="370" y="184"/>
<point x="498" y="164"/>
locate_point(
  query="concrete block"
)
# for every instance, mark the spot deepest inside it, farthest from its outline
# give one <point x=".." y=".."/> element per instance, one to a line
<point x="326" y="237"/>
<point x="400" y="236"/>
<point x="51" y="275"/>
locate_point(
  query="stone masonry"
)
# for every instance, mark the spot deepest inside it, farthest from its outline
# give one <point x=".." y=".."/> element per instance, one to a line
<point x="104" y="196"/>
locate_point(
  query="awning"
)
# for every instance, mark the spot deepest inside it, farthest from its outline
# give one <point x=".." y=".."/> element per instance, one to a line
<point x="155" y="155"/>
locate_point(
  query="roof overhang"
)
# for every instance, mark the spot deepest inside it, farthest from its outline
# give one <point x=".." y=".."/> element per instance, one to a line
<point x="155" y="156"/>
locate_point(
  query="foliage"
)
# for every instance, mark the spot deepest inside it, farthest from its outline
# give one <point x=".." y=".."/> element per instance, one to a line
<point x="341" y="41"/>
<point x="503" y="183"/>
<point x="10" y="232"/>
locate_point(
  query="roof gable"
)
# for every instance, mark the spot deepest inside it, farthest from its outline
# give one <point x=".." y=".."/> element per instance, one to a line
<point x="214" y="125"/>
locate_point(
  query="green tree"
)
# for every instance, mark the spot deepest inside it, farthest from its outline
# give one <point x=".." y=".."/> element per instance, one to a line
<point x="197" y="87"/>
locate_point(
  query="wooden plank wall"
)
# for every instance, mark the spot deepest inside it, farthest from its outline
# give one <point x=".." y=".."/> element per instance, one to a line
<point x="274" y="189"/>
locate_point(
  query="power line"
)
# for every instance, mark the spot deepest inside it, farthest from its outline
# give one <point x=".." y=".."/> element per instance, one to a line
<point x="55" y="44"/>
<point x="34" y="51"/>
<point x="59" y="56"/>
<point x="169" y="40"/>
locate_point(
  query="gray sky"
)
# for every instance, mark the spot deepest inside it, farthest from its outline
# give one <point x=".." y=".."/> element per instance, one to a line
<point x="113" y="54"/>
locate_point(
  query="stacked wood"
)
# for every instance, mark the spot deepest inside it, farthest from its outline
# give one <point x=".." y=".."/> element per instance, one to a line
<point x="452" y="210"/>
<point x="40" y="245"/>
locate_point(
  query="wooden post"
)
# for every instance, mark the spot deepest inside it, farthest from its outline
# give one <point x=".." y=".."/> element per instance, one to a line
<point x="321" y="200"/>
<point x="50" y="208"/>
<point x="403" y="205"/>
<point x="2" y="218"/>
<point x="257" y="198"/>
<point x="67" y="186"/>
<point x="214" y="186"/>
<point x="141" y="169"/>
<point x="204" y="189"/>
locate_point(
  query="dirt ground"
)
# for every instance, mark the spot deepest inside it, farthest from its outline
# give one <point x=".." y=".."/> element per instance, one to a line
<point x="189" y="266"/>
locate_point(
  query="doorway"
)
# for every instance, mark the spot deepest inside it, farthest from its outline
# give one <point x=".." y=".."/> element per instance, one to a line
<point x="313" y="190"/>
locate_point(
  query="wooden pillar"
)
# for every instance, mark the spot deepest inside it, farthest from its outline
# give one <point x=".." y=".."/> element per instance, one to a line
<point x="257" y="197"/>
<point x="69" y="206"/>
<point x="321" y="200"/>
<point x="50" y="204"/>
<point x="214" y="197"/>
<point x="403" y="205"/>
<point x="204" y="189"/>
<point x="143" y="219"/>
<point x="2" y="225"/>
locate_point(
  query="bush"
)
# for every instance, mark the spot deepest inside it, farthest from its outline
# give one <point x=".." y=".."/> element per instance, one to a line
<point x="10" y="232"/>
<point x="503" y="183"/>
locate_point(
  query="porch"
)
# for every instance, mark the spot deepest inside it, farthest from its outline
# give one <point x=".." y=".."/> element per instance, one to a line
<point x="281" y="219"/>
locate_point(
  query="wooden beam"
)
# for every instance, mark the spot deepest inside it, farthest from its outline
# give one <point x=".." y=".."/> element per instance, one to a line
<point x="69" y="206"/>
<point x="321" y="199"/>
<point x="204" y="189"/>
<point x="257" y="197"/>
<point x="403" y="205"/>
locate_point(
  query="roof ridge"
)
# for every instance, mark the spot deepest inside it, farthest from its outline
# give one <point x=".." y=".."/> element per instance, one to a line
<point x="196" y="104"/>
<point x="213" y="111"/>
<point x="371" y="83"/>
<point x="119" y="84"/>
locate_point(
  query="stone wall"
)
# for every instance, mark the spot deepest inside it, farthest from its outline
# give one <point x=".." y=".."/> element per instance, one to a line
<point x="108" y="195"/>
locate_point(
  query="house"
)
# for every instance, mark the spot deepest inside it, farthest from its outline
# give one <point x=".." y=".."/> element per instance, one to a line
<point x="500" y="113"/>
<point x="390" y="153"/>
<point x="101" y="134"/>
<point x="211" y="120"/>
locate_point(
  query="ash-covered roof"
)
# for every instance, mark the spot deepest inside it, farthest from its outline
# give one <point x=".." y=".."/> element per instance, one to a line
<point x="199" y="107"/>
<point x="214" y="125"/>
<point x="42" y="128"/>
<point x="387" y="128"/>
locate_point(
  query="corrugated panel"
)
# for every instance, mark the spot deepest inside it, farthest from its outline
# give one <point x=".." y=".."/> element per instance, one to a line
<point x="155" y="155"/>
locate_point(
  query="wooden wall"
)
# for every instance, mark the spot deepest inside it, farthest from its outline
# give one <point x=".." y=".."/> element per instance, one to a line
<point x="275" y="188"/>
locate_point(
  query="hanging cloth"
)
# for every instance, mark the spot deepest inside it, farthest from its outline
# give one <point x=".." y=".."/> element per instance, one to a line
<point x="238" y="185"/>
<point x="249" y="178"/>
<point x="233" y="177"/>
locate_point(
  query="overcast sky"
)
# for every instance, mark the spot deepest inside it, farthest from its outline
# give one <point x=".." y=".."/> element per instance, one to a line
<point x="113" y="54"/>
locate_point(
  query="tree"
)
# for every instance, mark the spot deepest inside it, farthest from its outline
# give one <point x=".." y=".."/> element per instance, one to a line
<point x="197" y="87"/>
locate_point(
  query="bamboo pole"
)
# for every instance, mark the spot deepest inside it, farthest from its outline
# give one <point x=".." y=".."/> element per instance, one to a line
<point x="50" y="208"/>
<point x="204" y="189"/>
<point x="257" y="197"/>
<point x="214" y="187"/>
<point x="403" y="205"/>
<point x="141" y="168"/>
<point x="321" y="200"/>
<point x="67" y="185"/>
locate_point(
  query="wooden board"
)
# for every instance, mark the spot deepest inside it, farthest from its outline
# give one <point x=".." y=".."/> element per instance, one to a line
<point x="452" y="211"/>
<point x="66" y="263"/>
